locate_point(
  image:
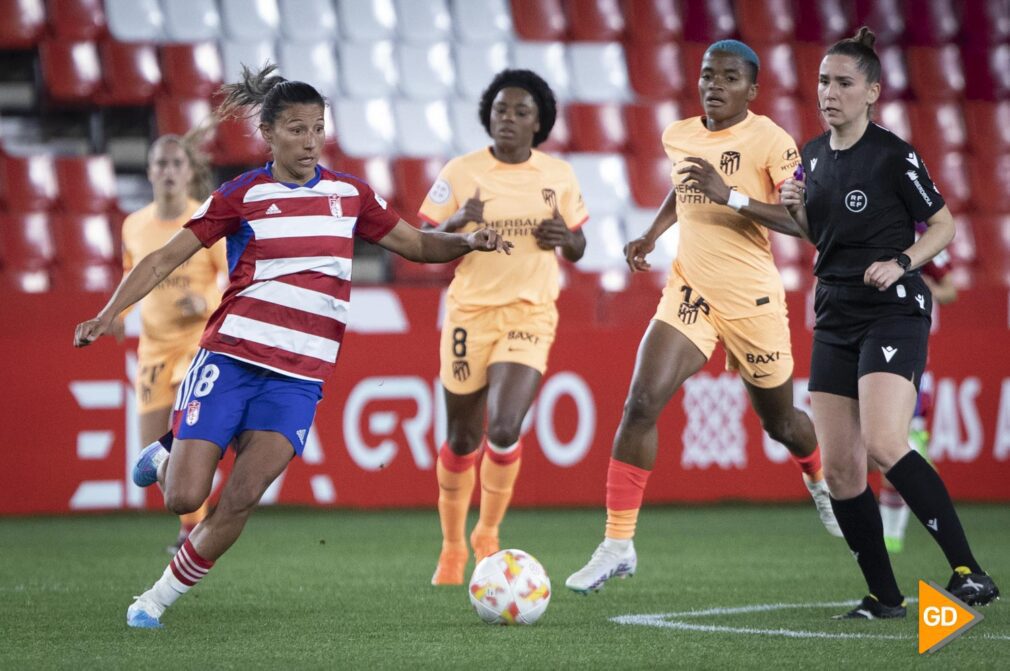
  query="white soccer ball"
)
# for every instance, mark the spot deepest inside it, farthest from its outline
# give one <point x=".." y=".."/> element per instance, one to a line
<point x="510" y="587"/>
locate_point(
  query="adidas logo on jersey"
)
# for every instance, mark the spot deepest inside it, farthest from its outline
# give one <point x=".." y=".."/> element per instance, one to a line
<point x="273" y="209"/>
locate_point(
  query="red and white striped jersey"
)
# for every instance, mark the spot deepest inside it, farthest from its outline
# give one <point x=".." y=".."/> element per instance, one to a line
<point x="290" y="249"/>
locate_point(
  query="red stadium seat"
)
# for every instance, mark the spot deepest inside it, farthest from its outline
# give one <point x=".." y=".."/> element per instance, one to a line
<point x="778" y="69"/>
<point x="936" y="72"/>
<point x="594" y="20"/>
<point x="87" y="184"/>
<point x="798" y="118"/>
<point x="179" y="115"/>
<point x="937" y="127"/>
<point x="985" y="22"/>
<point x="22" y="23"/>
<point x="560" y="138"/>
<point x="71" y="70"/>
<point x="238" y="142"/>
<point x="412" y="179"/>
<point x="28" y="246"/>
<point x="540" y="20"/>
<point x="598" y="128"/>
<point x="86" y="253"/>
<point x="649" y="120"/>
<point x="191" y="70"/>
<point x="708" y="20"/>
<point x="655" y="70"/>
<point x="649" y="179"/>
<point x="885" y="17"/>
<point x="765" y="21"/>
<point x="934" y="22"/>
<point x="376" y="172"/>
<point x="28" y="183"/>
<point x="808" y="67"/>
<point x="824" y="21"/>
<point x="652" y="20"/>
<point x="131" y="72"/>
<point x="990" y="179"/>
<point x="988" y="73"/>
<point x="988" y="125"/>
<point x="894" y="77"/>
<point x="963" y="248"/>
<point x="949" y="171"/>
<point x="77" y="19"/>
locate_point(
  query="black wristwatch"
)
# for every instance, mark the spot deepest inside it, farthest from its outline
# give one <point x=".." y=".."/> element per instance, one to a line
<point x="904" y="261"/>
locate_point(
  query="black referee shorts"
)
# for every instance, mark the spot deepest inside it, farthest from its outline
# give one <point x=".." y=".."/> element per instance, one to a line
<point x="860" y="330"/>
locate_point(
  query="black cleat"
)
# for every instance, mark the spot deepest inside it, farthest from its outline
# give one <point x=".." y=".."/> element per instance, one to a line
<point x="975" y="589"/>
<point x="871" y="609"/>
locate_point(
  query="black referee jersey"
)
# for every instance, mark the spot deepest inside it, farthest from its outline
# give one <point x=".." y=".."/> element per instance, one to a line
<point x="862" y="202"/>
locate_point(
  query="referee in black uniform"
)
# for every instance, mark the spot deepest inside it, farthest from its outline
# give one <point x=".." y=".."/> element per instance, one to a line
<point x="864" y="190"/>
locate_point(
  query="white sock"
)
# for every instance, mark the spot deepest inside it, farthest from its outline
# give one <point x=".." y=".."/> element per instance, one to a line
<point x="497" y="449"/>
<point x="182" y="573"/>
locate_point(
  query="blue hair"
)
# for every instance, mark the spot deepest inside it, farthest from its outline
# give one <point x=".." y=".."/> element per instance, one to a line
<point x="738" y="48"/>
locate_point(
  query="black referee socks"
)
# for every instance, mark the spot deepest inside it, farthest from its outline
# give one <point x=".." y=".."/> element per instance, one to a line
<point x="859" y="519"/>
<point x="926" y="495"/>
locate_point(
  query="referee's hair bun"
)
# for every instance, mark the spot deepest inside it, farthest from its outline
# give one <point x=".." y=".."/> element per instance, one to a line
<point x="865" y="37"/>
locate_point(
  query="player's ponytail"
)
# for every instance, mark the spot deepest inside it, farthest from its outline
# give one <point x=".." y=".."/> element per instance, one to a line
<point x="860" y="49"/>
<point x="267" y="91"/>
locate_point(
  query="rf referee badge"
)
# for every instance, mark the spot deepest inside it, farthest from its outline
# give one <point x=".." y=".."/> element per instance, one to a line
<point x="942" y="617"/>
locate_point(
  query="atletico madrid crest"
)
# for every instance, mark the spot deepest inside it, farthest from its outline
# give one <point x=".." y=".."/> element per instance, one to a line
<point x="192" y="412"/>
<point x="336" y="209"/>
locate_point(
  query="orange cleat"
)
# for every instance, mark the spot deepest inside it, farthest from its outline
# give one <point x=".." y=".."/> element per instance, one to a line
<point x="484" y="545"/>
<point x="451" y="564"/>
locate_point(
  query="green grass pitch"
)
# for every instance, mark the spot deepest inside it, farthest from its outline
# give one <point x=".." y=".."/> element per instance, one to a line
<point x="307" y="589"/>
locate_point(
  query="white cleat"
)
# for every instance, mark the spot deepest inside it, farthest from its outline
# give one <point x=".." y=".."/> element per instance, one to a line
<point x="144" y="613"/>
<point x="822" y="499"/>
<point x="611" y="559"/>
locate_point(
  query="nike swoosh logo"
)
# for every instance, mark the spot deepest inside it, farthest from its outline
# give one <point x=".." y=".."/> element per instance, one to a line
<point x="516" y="349"/>
<point x="758" y="376"/>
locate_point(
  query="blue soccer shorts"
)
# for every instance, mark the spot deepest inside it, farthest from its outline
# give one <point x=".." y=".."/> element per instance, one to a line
<point x="222" y="397"/>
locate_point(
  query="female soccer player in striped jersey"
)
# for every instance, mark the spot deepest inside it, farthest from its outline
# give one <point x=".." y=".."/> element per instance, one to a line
<point x="290" y="229"/>
<point x="500" y="317"/>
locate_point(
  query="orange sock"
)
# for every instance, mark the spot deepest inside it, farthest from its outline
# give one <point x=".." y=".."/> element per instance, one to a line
<point x="625" y="489"/>
<point x="810" y="464"/>
<point x="498" y="472"/>
<point x="189" y="521"/>
<point x="456" y="477"/>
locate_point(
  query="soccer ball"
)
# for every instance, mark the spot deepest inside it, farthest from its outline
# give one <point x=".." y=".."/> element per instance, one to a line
<point x="510" y="587"/>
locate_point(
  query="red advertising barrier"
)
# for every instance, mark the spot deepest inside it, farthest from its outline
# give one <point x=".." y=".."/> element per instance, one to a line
<point x="70" y="436"/>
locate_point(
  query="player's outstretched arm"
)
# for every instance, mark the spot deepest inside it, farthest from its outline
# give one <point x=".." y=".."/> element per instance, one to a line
<point x="636" y="250"/>
<point x="437" y="247"/>
<point x="151" y="270"/>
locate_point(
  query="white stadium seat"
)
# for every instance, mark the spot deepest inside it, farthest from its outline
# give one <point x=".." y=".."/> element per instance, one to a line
<point x="605" y="239"/>
<point x="426" y="72"/>
<point x="476" y="66"/>
<point x="599" y="72"/>
<point x="467" y="131"/>
<point x="367" y="20"/>
<point x="365" y="127"/>
<point x="547" y="59"/>
<point x="249" y="20"/>
<point x="314" y="64"/>
<point x="604" y="182"/>
<point x="191" y="20"/>
<point x="637" y="221"/>
<point x="423" y="21"/>
<point x="252" y="54"/>
<point x="308" y="20"/>
<point x="135" y="20"/>
<point x="422" y="128"/>
<point x="368" y="69"/>
<point x="482" y="21"/>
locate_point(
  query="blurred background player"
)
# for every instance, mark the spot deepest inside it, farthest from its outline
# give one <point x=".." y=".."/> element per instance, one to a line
<point x="864" y="190"/>
<point x="724" y="286"/>
<point x="173" y="315"/>
<point x="500" y="311"/>
<point x="893" y="509"/>
<point x="267" y="349"/>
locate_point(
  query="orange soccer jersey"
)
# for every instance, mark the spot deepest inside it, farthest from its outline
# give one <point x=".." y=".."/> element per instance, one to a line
<point x="517" y="197"/>
<point x="144" y="232"/>
<point x="723" y="255"/>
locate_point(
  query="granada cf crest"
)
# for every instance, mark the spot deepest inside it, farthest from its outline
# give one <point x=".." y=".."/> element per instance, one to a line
<point x="550" y="197"/>
<point x="336" y="209"/>
<point x="192" y="413"/>
<point x="729" y="162"/>
<point x="688" y="310"/>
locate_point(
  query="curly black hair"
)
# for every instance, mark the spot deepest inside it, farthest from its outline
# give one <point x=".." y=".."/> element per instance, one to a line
<point x="533" y="84"/>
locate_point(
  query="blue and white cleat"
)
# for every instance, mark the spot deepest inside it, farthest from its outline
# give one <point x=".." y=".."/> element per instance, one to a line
<point x="612" y="559"/>
<point x="143" y="613"/>
<point x="145" y="470"/>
